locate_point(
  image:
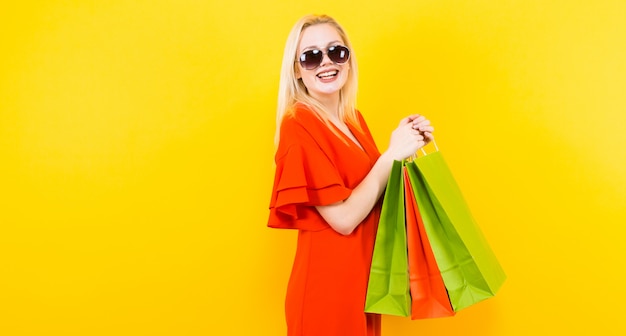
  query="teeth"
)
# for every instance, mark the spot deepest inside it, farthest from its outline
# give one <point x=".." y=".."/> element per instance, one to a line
<point x="328" y="74"/>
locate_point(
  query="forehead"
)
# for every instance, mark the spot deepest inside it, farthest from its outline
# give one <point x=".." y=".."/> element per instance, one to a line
<point x="319" y="35"/>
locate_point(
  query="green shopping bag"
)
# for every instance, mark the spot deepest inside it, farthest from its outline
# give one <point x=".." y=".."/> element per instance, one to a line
<point x="388" y="287"/>
<point x="470" y="270"/>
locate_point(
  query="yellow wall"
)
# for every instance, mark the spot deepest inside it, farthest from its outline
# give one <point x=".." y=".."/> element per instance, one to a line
<point x="136" y="148"/>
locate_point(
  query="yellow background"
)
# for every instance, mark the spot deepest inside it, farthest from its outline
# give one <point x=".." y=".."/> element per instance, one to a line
<point x="137" y="157"/>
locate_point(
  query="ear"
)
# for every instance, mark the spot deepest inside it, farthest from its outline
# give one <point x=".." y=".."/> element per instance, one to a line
<point x="297" y="72"/>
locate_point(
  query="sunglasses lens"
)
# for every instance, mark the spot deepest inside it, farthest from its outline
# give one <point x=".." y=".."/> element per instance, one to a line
<point x="311" y="59"/>
<point x="338" y="54"/>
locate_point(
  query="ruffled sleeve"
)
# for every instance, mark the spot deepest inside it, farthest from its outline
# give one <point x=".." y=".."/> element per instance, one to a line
<point x="305" y="177"/>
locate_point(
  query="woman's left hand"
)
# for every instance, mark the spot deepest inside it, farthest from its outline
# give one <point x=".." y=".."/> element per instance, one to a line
<point x="422" y="125"/>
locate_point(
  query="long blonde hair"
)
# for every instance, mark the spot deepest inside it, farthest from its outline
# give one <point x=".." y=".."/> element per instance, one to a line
<point x="292" y="90"/>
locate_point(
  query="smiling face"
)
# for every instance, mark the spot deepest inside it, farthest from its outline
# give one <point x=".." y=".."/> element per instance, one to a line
<point x="325" y="81"/>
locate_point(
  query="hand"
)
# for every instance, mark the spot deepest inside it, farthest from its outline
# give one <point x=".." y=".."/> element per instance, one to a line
<point x="422" y="125"/>
<point x="413" y="133"/>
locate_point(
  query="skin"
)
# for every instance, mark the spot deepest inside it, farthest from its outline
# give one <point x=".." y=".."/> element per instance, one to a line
<point x="321" y="37"/>
<point x="413" y="132"/>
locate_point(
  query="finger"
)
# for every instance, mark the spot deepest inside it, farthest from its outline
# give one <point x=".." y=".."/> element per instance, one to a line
<point x="429" y="136"/>
<point x="413" y="132"/>
<point x="421" y="122"/>
<point x="428" y="129"/>
<point x="410" y="118"/>
<point x="405" y="121"/>
<point x="413" y="117"/>
<point x="420" y="119"/>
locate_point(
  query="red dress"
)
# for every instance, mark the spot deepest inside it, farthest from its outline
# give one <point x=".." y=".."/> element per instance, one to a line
<point x="314" y="166"/>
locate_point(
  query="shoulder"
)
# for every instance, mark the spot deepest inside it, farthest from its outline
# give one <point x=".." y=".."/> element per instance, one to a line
<point x="301" y="122"/>
<point x="302" y="115"/>
<point x="362" y="123"/>
<point x="301" y="128"/>
<point x="360" y="117"/>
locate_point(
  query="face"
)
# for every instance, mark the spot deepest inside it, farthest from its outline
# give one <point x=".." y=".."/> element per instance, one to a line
<point x="326" y="80"/>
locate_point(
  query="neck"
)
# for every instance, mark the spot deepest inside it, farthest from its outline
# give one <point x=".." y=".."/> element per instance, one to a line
<point x="330" y="102"/>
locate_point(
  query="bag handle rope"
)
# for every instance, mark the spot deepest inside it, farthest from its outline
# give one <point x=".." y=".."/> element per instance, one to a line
<point x="414" y="156"/>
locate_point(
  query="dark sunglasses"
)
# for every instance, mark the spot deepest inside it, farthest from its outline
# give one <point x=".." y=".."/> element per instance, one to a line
<point x="312" y="59"/>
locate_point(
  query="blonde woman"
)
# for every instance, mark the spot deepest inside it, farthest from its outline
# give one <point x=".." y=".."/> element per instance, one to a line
<point x="329" y="180"/>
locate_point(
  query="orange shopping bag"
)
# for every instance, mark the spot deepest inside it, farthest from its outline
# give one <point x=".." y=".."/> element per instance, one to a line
<point x="429" y="298"/>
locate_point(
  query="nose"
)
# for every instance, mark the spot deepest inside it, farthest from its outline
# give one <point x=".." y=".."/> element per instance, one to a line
<point x="325" y="60"/>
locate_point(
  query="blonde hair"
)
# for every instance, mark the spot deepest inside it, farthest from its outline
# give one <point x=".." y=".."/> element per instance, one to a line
<point x="292" y="90"/>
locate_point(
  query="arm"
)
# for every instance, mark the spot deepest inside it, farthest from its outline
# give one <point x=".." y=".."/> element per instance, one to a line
<point x="413" y="133"/>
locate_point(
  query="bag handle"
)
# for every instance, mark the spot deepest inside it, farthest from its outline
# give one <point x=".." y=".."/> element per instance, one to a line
<point x="424" y="151"/>
<point x="414" y="156"/>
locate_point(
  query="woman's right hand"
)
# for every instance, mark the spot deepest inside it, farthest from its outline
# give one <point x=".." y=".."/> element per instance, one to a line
<point x="413" y="133"/>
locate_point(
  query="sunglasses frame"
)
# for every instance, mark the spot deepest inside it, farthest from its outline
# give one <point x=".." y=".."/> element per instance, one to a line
<point x="338" y="48"/>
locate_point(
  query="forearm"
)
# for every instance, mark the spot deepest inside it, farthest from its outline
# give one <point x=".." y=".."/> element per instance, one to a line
<point x="412" y="134"/>
<point x="345" y="216"/>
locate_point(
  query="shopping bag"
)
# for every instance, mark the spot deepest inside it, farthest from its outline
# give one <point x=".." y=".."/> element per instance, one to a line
<point x="388" y="286"/>
<point x="429" y="298"/>
<point x="467" y="264"/>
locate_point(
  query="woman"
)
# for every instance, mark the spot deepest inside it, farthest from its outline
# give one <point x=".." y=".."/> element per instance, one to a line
<point x="329" y="179"/>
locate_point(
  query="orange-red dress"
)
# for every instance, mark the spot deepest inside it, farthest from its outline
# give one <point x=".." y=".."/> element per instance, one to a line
<point x="315" y="166"/>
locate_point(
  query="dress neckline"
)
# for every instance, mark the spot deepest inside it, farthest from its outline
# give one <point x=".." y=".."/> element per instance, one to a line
<point x="357" y="142"/>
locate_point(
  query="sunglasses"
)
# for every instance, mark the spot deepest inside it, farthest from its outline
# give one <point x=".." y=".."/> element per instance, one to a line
<point x="312" y="59"/>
